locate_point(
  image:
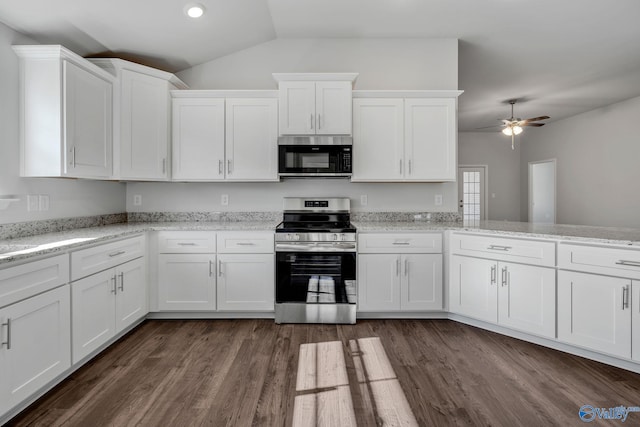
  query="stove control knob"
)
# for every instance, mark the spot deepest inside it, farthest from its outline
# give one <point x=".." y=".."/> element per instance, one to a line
<point x="296" y="237"/>
<point x="336" y="237"/>
<point x="289" y="237"/>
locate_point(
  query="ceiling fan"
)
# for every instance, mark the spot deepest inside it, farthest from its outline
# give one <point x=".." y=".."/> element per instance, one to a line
<point x="513" y="125"/>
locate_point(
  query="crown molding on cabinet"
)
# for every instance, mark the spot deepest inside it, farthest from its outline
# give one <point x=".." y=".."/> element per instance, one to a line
<point x="316" y="77"/>
<point x="407" y="93"/>
<point x="113" y="65"/>
<point x="224" y="93"/>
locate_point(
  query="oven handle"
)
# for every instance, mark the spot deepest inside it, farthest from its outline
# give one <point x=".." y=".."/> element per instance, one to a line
<point x="316" y="247"/>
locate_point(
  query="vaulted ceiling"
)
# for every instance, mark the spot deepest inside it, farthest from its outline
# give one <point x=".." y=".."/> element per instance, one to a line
<point x="561" y="57"/>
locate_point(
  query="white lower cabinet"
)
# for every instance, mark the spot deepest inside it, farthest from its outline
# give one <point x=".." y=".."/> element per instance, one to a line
<point x="594" y="311"/>
<point x="513" y="295"/>
<point x="187" y="282"/>
<point x="105" y="303"/>
<point x="245" y="282"/>
<point x="399" y="282"/>
<point x="35" y="344"/>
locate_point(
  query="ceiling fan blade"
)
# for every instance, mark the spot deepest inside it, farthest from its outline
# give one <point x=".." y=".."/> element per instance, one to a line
<point x="535" y="119"/>
<point x="488" y="127"/>
<point x="537" y="125"/>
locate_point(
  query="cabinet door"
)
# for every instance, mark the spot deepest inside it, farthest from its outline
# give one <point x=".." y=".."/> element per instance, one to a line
<point x="473" y="288"/>
<point x="594" y="312"/>
<point x="379" y="282"/>
<point x="252" y="139"/>
<point x="93" y="307"/>
<point x="421" y="282"/>
<point x="246" y="282"/>
<point x="378" y="139"/>
<point x="131" y="297"/>
<point x="87" y="123"/>
<point x="527" y="298"/>
<point x="144" y="127"/>
<point x="430" y="139"/>
<point x="297" y="108"/>
<point x="635" y="319"/>
<point x="38" y="347"/>
<point x="186" y="282"/>
<point x="198" y="139"/>
<point x="333" y="108"/>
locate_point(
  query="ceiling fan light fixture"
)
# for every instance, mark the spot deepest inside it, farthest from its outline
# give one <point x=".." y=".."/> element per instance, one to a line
<point x="512" y="130"/>
<point x="507" y="131"/>
<point x="194" y="10"/>
<point x="517" y="130"/>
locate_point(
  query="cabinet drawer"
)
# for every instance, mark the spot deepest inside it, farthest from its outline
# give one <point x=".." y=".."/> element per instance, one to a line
<point x="245" y="242"/>
<point x="594" y="259"/>
<point x="400" y="243"/>
<point x="187" y="242"/>
<point x="26" y="280"/>
<point x="92" y="260"/>
<point x="533" y="252"/>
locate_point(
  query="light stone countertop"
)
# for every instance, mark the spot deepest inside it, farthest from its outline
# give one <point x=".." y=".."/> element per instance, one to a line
<point x="577" y="233"/>
<point x="49" y="244"/>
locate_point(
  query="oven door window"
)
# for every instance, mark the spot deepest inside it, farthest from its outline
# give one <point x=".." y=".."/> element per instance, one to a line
<point x="315" y="278"/>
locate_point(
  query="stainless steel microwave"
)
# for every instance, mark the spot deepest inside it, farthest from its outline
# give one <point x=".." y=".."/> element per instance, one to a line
<point x="315" y="156"/>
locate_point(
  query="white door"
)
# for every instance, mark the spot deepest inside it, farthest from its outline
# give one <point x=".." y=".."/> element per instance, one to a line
<point x="472" y="193"/>
<point x="379" y="282"/>
<point x="333" y="108"/>
<point x="473" y="288"/>
<point x="297" y="108"/>
<point x="246" y="282"/>
<point x="542" y="191"/>
<point x="430" y="139"/>
<point x="252" y="139"/>
<point x="421" y="282"/>
<point x="131" y="299"/>
<point x="527" y="298"/>
<point x="88" y="125"/>
<point x="198" y="139"/>
<point x="38" y="346"/>
<point x="93" y="306"/>
<point x="378" y="139"/>
<point x="144" y="127"/>
<point x="186" y="282"/>
<point x="594" y="312"/>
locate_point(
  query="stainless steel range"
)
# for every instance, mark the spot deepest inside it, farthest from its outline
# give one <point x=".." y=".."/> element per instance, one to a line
<point x="316" y="262"/>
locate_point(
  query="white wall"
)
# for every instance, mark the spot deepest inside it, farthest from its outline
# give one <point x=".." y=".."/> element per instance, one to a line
<point x="67" y="198"/>
<point x="382" y="64"/>
<point x="503" y="170"/>
<point x="597" y="170"/>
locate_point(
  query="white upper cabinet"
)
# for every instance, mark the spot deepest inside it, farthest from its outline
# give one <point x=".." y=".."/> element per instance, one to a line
<point x="251" y="141"/>
<point x="405" y="139"/>
<point x="198" y="139"/>
<point x="66" y="114"/>
<point x="315" y="104"/>
<point x="218" y="137"/>
<point x="141" y="119"/>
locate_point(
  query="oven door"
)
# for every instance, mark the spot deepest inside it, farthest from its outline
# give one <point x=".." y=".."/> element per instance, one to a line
<point x="315" y="287"/>
<point x="314" y="160"/>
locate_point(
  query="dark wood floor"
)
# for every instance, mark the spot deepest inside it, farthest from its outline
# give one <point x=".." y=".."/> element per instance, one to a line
<point x="243" y="372"/>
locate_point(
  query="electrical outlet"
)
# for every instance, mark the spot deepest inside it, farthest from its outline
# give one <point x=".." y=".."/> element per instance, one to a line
<point x="364" y="200"/>
<point x="224" y="200"/>
<point x="43" y="202"/>
<point x="33" y="203"/>
<point x="438" y="200"/>
<point x="137" y="200"/>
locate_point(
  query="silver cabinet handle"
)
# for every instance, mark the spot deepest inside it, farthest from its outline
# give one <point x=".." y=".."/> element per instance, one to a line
<point x="114" y="290"/>
<point x="625" y="297"/>
<point x="164" y="165"/>
<point x="229" y="163"/>
<point x="319" y="126"/>
<point x="219" y="268"/>
<point x="210" y="268"/>
<point x="494" y="274"/>
<point x="400" y="166"/>
<point x="186" y="244"/>
<point x="117" y="253"/>
<point x="499" y="247"/>
<point x="311" y="121"/>
<point x="409" y="167"/>
<point x="401" y="243"/>
<point x="73" y="156"/>
<point x="121" y="281"/>
<point x="8" y="341"/>
<point x="629" y="263"/>
<point x="406" y="267"/>
<point x="398" y="266"/>
<point x="249" y="243"/>
<point x="504" y="276"/>
<point x="220" y="171"/>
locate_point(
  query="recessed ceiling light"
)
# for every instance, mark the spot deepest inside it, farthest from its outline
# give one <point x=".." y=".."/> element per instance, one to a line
<point x="194" y="10"/>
